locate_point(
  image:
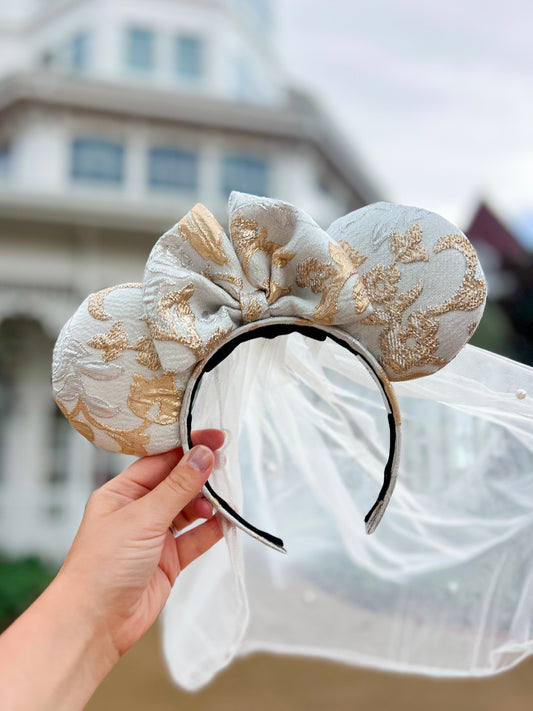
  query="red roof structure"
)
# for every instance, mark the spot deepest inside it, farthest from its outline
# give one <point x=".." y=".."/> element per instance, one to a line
<point x="488" y="228"/>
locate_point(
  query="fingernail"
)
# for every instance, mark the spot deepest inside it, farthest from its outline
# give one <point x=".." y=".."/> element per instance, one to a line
<point x="199" y="458"/>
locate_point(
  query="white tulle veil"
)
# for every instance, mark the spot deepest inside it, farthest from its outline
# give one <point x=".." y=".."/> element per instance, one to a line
<point x="443" y="587"/>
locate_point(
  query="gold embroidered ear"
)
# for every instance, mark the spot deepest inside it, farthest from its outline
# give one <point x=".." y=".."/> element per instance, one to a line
<point x="107" y="377"/>
<point x="424" y="281"/>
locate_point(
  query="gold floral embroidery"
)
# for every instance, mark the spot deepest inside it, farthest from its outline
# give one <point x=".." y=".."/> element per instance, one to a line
<point x="414" y="344"/>
<point x="112" y="343"/>
<point x="329" y="279"/>
<point x="402" y="348"/>
<point x="162" y="392"/>
<point x="222" y="276"/>
<point x="248" y="239"/>
<point x="380" y="283"/>
<point x="253" y="310"/>
<point x="147" y="354"/>
<point x="352" y="253"/>
<point x="472" y="292"/>
<point x="204" y="233"/>
<point x="116" y="341"/>
<point x="175" y="310"/>
<point x="391" y="314"/>
<point x="407" y="247"/>
<point x="95" y="304"/>
<point x="280" y="259"/>
<point x="130" y="441"/>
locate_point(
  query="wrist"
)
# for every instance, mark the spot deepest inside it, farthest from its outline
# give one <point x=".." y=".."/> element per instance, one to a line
<point x="55" y="654"/>
<point x="72" y="601"/>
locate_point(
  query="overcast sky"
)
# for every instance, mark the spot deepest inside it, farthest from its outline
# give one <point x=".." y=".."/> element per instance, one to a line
<point x="436" y="97"/>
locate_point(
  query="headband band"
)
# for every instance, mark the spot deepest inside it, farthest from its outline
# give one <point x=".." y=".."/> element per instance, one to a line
<point x="272" y="328"/>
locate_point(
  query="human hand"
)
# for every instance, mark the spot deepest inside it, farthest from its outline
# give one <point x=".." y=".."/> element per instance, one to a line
<point x="124" y="559"/>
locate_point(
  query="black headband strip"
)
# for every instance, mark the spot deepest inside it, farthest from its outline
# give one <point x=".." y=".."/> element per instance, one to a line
<point x="273" y="331"/>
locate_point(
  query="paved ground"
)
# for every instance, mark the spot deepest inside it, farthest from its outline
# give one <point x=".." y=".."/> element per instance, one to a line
<point x="262" y="682"/>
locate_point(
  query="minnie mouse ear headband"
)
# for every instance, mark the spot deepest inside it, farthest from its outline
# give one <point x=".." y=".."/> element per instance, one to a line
<point x="399" y="287"/>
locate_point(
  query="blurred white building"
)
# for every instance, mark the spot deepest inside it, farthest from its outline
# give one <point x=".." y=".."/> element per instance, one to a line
<point x="116" y="116"/>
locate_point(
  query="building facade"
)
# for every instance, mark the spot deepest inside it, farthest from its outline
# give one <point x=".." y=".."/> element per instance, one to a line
<point x="116" y="116"/>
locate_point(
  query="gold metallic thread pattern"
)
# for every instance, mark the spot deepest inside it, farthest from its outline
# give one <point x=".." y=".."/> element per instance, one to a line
<point x="112" y="343"/>
<point x="204" y="233"/>
<point x="328" y="278"/>
<point x="222" y="276"/>
<point x="132" y="441"/>
<point x="472" y="292"/>
<point x="95" y="304"/>
<point x="116" y="341"/>
<point x="159" y="393"/>
<point x="380" y="283"/>
<point x="179" y="319"/>
<point x="147" y="354"/>
<point x="414" y="344"/>
<point x="248" y="238"/>
<point x="407" y="247"/>
<point x="280" y="259"/>
<point x="252" y="311"/>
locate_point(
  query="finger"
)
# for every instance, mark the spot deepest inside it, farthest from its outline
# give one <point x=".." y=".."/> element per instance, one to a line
<point x="212" y="438"/>
<point x="192" y="544"/>
<point x="146" y="473"/>
<point x="203" y="508"/>
<point x="161" y="505"/>
<point x="169" y="561"/>
<point x="197" y="508"/>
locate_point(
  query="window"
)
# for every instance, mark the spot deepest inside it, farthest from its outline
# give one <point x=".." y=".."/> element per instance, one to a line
<point x="79" y="53"/>
<point x="246" y="174"/>
<point x="97" y="160"/>
<point x="140" y="49"/>
<point x="5" y="158"/>
<point x="189" y="57"/>
<point x="173" y="168"/>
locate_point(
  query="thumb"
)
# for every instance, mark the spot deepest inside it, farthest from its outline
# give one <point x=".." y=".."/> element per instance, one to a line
<point x="161" y="505"/>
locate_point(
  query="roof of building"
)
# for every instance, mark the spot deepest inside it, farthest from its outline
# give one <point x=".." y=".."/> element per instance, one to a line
<point x="487" y="227"/>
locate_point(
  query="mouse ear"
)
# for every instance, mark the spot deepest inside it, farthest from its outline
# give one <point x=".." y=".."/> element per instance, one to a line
<point x="107" y="378"/>
<point x="425" y="284"/>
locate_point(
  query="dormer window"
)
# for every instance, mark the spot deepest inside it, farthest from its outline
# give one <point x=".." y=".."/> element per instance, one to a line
<point x="140" y="49"/>
<point x="190" y="58"/>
